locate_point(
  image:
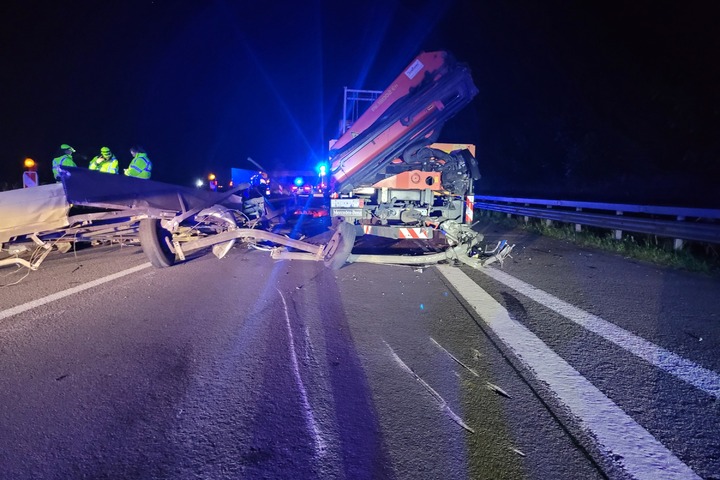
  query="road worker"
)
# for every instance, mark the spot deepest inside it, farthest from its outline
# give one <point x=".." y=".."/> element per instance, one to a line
<point x="140" y="166"/>
<point x="105" y="162"/>
<point x="63" y="160"/>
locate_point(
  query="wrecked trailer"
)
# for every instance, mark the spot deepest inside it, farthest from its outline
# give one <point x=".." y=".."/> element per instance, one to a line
<point x="174" y="221"/>
<point x="34" y="221"/>
<point x="171" y="220"/>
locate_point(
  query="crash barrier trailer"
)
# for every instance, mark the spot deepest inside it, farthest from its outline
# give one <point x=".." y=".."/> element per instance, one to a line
<point x="679" y="223"/>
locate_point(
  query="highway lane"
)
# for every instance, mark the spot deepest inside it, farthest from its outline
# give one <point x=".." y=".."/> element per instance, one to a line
<point x="645" y="336"/>
<point x="247" y="367"/>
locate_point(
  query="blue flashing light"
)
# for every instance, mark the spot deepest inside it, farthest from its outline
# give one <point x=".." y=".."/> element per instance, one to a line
<point x="298" y="181"/>
<point x="322" y="168"/>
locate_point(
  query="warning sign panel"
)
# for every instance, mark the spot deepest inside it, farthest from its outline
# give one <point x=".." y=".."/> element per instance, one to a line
<point x="30" y="179"/>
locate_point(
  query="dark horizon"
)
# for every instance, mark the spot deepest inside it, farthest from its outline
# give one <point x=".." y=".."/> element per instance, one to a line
<point x="599" y="101"/>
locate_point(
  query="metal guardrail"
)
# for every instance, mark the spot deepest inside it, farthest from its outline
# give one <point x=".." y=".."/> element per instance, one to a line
<point x="680" y="223"/>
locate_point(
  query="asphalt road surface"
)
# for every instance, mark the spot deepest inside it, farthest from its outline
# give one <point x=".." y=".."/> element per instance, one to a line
<point x="563" y="364"/>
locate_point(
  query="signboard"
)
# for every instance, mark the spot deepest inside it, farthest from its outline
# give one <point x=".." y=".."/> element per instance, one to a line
<point x="30" y="179"/>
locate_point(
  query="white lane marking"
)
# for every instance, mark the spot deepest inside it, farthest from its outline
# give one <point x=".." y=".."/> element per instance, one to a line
<point x="619" y="436"/>
<point x="320" y="444"/>
<point x="70" y="291"/>
<point x="706" y="380"/>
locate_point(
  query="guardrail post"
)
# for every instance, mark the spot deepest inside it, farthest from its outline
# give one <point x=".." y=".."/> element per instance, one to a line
<point x="578" y="227"/>
<point x="679" y="242"/>
<point x="526" y="218"/>
<point x="548" y="222"/>
<point x="618" y="233"/>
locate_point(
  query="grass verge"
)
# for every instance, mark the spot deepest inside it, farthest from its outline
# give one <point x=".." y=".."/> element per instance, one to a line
<point x="694" y="256"/>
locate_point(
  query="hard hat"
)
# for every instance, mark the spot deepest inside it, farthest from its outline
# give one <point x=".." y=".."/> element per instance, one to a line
<point x="105" y="150"/>
<point x="65" y="146"/>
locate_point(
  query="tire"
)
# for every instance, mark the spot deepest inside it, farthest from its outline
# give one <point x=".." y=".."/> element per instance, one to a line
<point x="156" y="243"/>
<point x="339" y="247"/>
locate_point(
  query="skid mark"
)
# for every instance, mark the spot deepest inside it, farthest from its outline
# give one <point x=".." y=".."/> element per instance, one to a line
<point x="320" y="443"/>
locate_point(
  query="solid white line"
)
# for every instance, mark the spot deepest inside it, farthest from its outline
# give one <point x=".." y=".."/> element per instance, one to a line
<point x="682" y="368"/>
<point x="70" y="291"/>
<point x="619" y="436"/>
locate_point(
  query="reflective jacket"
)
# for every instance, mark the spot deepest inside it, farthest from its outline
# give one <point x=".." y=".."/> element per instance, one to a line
<point x="62" y="161"/>
<point x="139" y="167"/>
<point x="99" y="163"/>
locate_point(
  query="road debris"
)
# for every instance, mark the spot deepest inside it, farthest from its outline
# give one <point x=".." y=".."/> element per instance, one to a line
<point x="454" y="358"/>
<point x="443" y="404"/>
<point x="497" y="389"/>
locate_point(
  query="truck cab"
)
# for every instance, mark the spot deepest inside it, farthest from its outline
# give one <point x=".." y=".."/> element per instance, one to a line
<point x="388" y="174"/>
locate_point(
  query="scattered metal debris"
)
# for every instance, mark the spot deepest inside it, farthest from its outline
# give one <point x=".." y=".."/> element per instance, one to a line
<point x="696" y="337"/>
<point x="443" y="404"/>
<point x="497" y="390"/>
<point x="454" y="358"/>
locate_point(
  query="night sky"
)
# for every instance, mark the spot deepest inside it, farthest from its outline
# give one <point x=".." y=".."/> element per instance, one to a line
<point x="614" y="101"/>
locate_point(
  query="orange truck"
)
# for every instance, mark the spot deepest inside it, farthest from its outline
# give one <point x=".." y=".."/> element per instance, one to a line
<point x="388" y="175"/>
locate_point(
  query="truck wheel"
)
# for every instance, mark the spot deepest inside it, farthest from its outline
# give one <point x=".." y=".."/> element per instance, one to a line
<point x="339" y="247"/>
<point x="156" y="243"/>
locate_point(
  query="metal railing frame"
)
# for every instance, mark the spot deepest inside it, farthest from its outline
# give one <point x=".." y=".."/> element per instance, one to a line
<point x="680" y="223"/>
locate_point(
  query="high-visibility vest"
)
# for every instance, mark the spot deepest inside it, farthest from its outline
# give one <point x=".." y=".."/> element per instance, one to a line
<point x="139" y="167"/>
<point x="62" y="161"/>
<point x="106" y="166"/>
